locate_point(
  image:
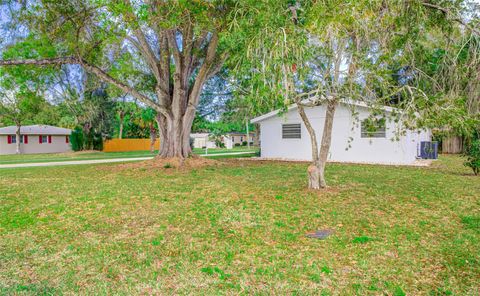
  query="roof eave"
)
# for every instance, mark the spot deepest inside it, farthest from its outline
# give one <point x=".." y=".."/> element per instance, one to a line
<point x="294" y="106"/>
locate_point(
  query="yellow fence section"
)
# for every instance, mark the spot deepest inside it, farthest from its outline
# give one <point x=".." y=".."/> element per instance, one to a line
<point x="122" y="145"/>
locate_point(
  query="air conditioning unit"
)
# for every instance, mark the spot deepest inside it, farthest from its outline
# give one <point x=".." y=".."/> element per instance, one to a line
<point x="428" y="150"/>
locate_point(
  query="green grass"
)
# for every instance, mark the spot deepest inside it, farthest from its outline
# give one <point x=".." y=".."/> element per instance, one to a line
<point x="240" y="229"/>
<point x="31" y="158"/>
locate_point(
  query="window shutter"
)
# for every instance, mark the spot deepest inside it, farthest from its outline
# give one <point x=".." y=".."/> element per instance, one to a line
<point x="40" y="139"/>
<point x="25" y="139"/>
<point x="67" y="140"/>
<point x="291" y="131"/>
<point x="49" y="139"/>
<point x="9" y="139"/>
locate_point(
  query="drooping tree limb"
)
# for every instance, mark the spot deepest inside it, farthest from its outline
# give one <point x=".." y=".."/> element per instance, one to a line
<point x="89" y="68"/>
<point x="40" y="62"/>
<point x="454" y="17"/>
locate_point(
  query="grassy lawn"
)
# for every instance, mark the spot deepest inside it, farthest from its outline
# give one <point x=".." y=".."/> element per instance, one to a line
<point x="240" y="229"/>
<point x="29" y="158"/>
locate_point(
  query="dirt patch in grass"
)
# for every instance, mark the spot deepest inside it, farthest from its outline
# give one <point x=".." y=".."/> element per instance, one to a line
<point x="174" y="163"/>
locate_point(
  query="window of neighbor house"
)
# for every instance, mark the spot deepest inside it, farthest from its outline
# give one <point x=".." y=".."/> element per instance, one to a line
<point x="373" y="128"/>
<point x="291" y="131"/>
<point x="43" y="139"/>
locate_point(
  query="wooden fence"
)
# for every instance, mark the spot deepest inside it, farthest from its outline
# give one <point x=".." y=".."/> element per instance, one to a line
<point x="122" y="145"/>
<point x="452" y="145"/>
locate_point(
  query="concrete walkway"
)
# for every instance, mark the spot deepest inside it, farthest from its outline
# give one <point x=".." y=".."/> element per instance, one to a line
<point x="96" y="161"/>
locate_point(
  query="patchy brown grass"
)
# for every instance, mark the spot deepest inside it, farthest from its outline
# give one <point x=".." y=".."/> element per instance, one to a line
<point x="239" y="228"/>
<point x="176" y="163"/>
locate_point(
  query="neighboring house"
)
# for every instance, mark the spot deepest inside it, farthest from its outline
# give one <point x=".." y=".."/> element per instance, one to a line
<point x="202" y="140"/>
<point x="284" y="136"/>
<point x="239" y="138"/>
<point x="35" y="139"/>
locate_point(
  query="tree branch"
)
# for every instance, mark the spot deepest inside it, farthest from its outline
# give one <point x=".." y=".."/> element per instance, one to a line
<point x="40" y="62"/>
<point x="92" y="69"/>
<point x="455" y="18"/>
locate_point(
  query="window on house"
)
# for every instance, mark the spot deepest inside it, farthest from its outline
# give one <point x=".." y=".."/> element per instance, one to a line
<point x="291" y="131"/>
<point x="373" y="128"/>
<point x="14" y="139"/>
<point x="43" y="139"/>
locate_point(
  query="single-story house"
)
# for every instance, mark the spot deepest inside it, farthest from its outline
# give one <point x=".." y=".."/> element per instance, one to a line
<point x="237" y="138"/>
<point x="202" y="140"/>
<point x="35" y="139"/>
<point x="284" y="136"/>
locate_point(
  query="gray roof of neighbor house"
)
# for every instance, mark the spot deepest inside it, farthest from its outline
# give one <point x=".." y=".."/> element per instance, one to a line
<point x="35" y="130"/>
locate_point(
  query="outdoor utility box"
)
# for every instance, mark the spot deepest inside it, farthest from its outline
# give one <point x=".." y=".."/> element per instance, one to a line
<point x="429" y="150"/>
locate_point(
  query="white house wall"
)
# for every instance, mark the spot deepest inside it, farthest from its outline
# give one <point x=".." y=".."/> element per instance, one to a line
<point x="58" y="145"/>
<point x="366" y="150"/>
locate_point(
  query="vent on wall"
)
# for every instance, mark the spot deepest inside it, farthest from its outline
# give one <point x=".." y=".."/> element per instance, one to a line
<point x="291" y="131"/>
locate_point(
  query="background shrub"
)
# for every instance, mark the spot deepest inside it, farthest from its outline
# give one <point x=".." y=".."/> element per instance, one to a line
<point x="77" y="139"/>
<point x="472" y="154"/>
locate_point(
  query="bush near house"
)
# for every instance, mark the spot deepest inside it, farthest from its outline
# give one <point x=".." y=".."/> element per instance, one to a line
<point x="472" y="154"/>
<point x="76" y="139"/>
<point x="81" y="141"/>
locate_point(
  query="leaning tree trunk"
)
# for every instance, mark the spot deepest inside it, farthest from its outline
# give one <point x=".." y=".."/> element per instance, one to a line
<point x="313" y="170"/>
<point x="316" y="171"/>
<point x="17" y="143"/>
<point x="326" y="141"/>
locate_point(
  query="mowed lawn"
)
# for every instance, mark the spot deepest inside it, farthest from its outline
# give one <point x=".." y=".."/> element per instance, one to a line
<point x="93" y="155"/>
<point x="240" y="229"/>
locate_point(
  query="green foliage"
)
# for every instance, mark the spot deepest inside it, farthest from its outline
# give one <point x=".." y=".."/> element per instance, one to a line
<point x="84" y="140"/>
<point x="77" y="139"/>
<point x="472" y="154"/>
<point x="23" y="88"/>
<point x="420" y="70"/>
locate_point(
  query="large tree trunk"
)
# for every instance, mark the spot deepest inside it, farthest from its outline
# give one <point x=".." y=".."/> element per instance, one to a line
<point x="180" y="71"/>
<point x="17" y="136"/>
<point x="174" y="135"/>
